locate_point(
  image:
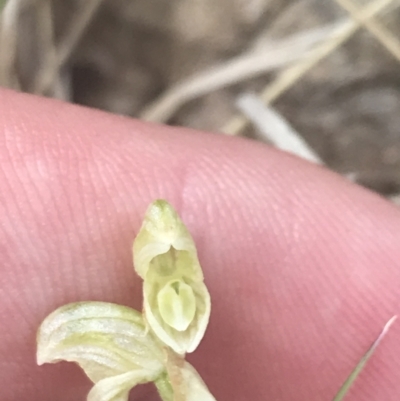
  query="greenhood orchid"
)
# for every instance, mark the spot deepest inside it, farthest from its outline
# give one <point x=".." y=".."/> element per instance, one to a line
<point x="176" y="301"/>
<point x="119" y="347"/>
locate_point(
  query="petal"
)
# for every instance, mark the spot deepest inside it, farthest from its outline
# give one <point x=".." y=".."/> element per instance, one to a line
<point x="180" y="341"/>
<point x="177" y="304"/>
<point x="194" y="387"/>
<point x="186" y="383"/>
<point x="103" y="338"/>
<point x="116" y="388"/>
<point x="162" y="229"/>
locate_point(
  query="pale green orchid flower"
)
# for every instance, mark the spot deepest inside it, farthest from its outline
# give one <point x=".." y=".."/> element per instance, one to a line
<point x="176" y="300"/>
<point x="112" y="345"/>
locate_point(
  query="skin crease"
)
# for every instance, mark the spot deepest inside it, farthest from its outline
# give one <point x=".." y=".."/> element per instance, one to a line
<point x="303" y="267"/>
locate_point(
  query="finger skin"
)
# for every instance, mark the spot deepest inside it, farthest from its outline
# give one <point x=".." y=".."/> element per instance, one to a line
<point x="302" y="266"/>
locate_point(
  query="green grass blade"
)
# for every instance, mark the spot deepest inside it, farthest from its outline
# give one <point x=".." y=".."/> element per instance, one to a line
<point x="360" y="366"/>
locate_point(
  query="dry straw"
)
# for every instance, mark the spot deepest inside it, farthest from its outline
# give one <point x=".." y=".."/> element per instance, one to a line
<point x="291" y="75"/>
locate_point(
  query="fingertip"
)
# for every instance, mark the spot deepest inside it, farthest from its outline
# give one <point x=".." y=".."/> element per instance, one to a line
<point x="302" y="266"/>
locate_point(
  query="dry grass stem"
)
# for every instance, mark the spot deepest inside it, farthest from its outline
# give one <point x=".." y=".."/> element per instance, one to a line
<point x="258" y="61"/>
<point x="389" y="41"/>
<point x="67" y="45"/>
<point x="8" y="42"/>
<point x="395" y="199"/>
<point x="294" y="73"/>
<point x="361" y="364"/>
<point x="47" y="49"/>
<point x="77" y="29"/>
<point x="274" y="128"/>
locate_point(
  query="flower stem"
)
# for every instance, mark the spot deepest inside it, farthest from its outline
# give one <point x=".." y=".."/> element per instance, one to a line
<point x="164" y="387"/>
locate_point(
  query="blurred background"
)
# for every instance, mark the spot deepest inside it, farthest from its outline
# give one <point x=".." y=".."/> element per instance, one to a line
<point x="320" y="78"/>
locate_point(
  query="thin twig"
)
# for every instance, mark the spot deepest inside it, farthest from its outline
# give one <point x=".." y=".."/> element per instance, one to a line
<point x="389" y="41"/>
<point x="253" y="63"/>
<point x="273" y="127"/>
<point x="292" y="74"/>
<point x="67" y="45"/>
